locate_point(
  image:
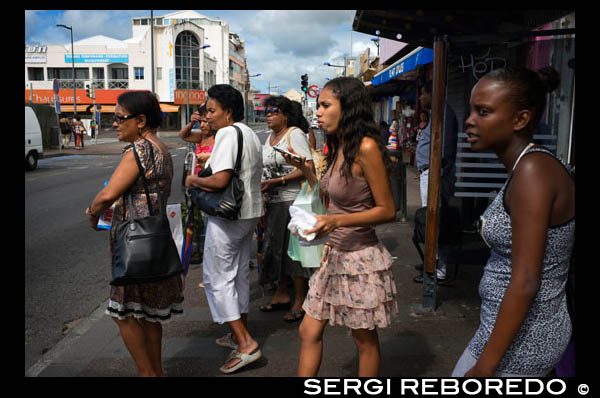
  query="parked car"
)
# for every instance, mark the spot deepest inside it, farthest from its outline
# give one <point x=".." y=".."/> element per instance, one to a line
<point x="314" y="124"/>
<point x="33" y="139"/>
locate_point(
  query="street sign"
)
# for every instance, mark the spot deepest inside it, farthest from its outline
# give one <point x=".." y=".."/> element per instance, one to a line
<point x="55" y="86"/>
<point x="56" y="104"/>
<point x="313" y="91"/>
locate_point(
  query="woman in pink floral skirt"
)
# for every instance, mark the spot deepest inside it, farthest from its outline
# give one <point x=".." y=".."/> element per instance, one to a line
<point x="354" y="286"/>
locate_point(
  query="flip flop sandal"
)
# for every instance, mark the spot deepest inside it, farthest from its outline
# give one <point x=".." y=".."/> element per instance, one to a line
<point x="296" y="316"/>
<point x="246" y="359"/>
<point x="276" y="307"/>
<point x="227" y="341"/>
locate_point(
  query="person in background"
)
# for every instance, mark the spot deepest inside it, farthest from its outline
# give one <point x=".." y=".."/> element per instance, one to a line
<point x="93" y="129"/>
<point x="450" y="132"/>
<point x="280" y="185"/>
<point x="384" y="131"/>
<point x="228" y="243"/>
<point x="65" y="130"/>
<point x="530" y="228"/>
<point x="354" y="286"/>
<point x="78" y="130"/>
<point x="205" y="141"/>
<point x="140" y="309"/>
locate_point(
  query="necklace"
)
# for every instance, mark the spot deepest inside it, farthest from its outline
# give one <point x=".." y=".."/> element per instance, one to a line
<point x="274" y="139"/>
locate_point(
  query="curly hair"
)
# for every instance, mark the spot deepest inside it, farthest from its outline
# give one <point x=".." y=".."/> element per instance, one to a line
<point x="283" y="103"/>
<point x="356" y="122"/>
<point x="528" y="89"/>
<point x="230" y="99"/>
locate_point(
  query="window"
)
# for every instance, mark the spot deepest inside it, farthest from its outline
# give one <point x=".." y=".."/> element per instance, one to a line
<point x="98" y="73"/>
<point x="139" y="73"/>
<point x="159" y="73"/>
<point x="186" y="50"/>
<point x="35" y="73"/>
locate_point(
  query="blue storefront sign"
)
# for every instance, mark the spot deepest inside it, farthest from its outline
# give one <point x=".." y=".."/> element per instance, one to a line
<point x="98" y="58"/>
<point x="421" y="57"/>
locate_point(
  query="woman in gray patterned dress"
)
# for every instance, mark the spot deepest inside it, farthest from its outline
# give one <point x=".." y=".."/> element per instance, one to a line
<point x="140" y="309"/>
<point x="525" y="327"/>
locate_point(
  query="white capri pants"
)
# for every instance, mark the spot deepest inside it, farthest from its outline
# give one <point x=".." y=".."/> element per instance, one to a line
<point x="227" y="249"/>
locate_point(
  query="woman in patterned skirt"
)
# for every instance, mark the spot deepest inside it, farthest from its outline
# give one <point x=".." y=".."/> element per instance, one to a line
<point x="354" y="286"/>
<point x="140" y="309"/>
<point x="529" y="226"/>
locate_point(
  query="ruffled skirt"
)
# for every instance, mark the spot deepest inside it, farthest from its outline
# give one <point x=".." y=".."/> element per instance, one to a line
<point x="353" y="288"/>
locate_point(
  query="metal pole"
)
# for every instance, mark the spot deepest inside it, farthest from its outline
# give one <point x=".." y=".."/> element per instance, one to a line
<point x="435" y="163"/>
<point x="187" y="114"/>
<point x="152" y="46"/>
<point x="73" y="67"/>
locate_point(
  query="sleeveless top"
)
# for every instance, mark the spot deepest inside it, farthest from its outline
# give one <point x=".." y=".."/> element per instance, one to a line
<point x="546" y="330"/>
<point x="345" y="197"/>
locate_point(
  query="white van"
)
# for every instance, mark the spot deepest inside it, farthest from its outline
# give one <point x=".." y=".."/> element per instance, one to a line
<point x="33" y="139"/>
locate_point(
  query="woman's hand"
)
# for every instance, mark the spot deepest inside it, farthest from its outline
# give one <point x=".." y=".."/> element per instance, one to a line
<point x="477" y="371"/>
<point x="299" y="163"/>
<point x="325" y="225"/>
<point x="92" y="220"/>
<point x="267" y="185"/>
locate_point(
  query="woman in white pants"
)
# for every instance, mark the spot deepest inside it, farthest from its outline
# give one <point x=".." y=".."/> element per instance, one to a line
<point x="227" y="243"/>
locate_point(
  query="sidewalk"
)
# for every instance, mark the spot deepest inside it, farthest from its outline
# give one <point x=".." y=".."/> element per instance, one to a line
<point x="413" y="346"/>
<point x="106" y="144"/>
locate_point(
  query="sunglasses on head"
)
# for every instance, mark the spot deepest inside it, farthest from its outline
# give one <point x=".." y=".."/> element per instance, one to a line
<point x="272" y="110"/>
<point x="121" y="119"/>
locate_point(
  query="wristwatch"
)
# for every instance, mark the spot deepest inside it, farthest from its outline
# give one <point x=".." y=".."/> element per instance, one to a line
<point x="283" y="182"/>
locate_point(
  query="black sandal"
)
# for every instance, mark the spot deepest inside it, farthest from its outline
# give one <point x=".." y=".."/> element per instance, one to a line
<point x="296" y="316"/>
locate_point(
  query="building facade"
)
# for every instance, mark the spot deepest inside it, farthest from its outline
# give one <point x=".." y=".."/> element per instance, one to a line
<point x="189" y="51"/>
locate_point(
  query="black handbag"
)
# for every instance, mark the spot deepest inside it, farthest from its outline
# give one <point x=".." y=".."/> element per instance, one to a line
<point x="228" y="202"/>
<point x="144" y="250"/>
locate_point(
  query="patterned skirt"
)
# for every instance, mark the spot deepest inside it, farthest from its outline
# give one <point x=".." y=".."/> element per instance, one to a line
<point x="153" y="301"/>
<point x="353" y="288"/>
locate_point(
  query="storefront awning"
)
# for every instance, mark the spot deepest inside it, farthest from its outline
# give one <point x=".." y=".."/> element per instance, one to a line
<point x="167" y="108"/>
<point x="419" y="56"/>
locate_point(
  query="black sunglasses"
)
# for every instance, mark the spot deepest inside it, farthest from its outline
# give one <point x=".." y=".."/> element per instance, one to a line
<point x="272" y="110"/>
<point x="121" y="119"/>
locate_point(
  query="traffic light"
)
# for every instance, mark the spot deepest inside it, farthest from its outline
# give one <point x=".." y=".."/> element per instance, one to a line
<point x="87" y="91"/>
<point x="304" y="82"/>
<point x="90" y="91"/>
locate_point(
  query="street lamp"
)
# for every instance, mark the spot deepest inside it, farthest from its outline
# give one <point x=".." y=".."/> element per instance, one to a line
<point x="72" y="65"/>
<point x="248" y="89"/>
<point x="337" y="66"/>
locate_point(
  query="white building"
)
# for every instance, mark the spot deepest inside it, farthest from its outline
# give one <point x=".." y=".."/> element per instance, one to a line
<point x="180" y="39"/>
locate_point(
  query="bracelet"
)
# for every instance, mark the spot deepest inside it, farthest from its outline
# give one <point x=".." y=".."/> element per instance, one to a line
<point x="92" y="214"/>
<point x="283" y="182"/>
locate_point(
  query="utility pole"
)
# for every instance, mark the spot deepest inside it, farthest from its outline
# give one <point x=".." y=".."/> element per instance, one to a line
<point x="152" y="47"/>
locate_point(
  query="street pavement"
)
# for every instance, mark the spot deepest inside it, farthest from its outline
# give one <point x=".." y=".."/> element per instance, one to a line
<point x="417" y="344"/>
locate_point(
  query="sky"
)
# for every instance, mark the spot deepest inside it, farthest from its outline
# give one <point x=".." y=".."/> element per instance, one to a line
<point x="281" y="45"/>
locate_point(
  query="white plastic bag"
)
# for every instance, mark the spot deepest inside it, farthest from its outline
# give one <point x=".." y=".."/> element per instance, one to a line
<point x="174" y="216"/>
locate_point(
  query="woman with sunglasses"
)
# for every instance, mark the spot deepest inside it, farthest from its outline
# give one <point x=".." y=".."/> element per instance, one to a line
<point x="139" y="310"/>
<point x="280" y="186"/>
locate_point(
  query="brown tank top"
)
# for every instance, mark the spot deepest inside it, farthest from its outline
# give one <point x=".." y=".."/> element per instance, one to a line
<point x="351" y="196"/>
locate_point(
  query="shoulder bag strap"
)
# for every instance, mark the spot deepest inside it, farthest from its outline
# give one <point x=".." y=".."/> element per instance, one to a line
<point x="240" y="147"/>
<point x="142" y="174"/>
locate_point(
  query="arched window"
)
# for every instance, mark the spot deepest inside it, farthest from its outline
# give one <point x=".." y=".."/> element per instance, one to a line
<point x="187" y="53"/>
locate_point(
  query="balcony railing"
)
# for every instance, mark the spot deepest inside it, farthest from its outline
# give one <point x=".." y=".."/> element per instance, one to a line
<point x="118" y="84"/>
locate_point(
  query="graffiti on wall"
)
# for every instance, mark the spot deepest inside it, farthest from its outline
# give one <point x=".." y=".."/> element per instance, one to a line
<point x="480" y="65"/>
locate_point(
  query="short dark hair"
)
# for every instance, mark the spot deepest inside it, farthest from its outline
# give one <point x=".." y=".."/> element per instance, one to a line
<point x="142" y="103"/>
<point x="528" y="89"/>
<point x="229" y="98"/>
<point x="283" y="103"/>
